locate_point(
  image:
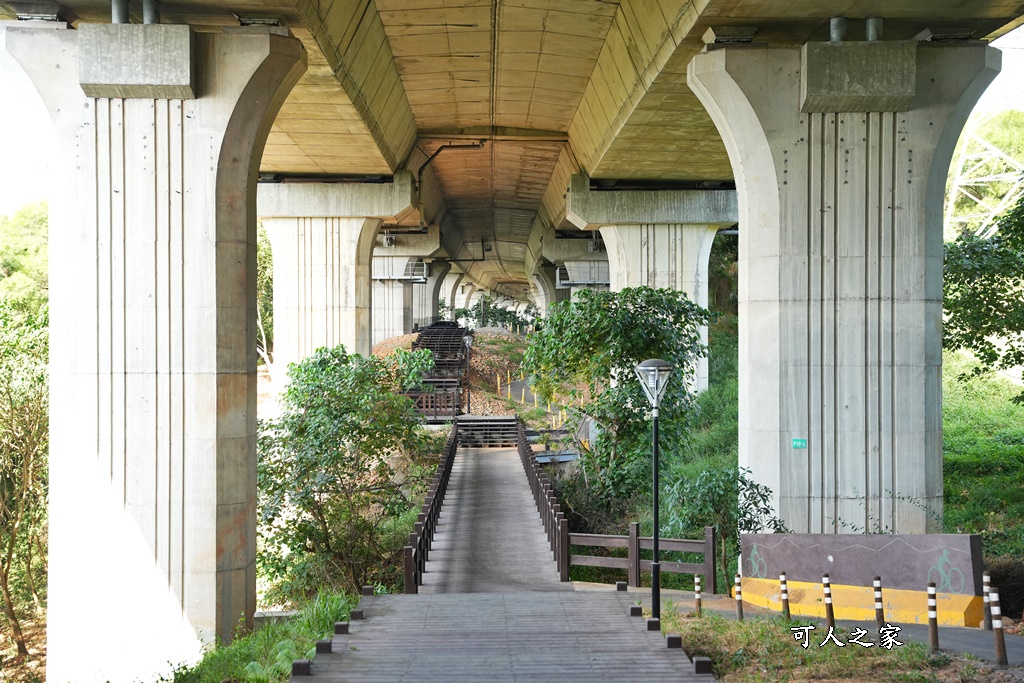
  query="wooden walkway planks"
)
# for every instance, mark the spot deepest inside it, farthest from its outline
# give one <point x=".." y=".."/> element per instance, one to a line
<point x="501" y="637"/>
<point x="491" y="607"/>
<point x="490" y="538"/>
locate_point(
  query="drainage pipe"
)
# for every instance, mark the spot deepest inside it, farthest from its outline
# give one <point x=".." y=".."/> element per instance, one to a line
<point x="837" y="29"/>
<point x="119" y="11"/>
<point x="874" y="29"/>
<point x="150" y="11"/>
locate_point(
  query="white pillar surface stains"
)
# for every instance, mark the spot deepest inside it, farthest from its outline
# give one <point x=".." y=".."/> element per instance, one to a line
<point x="322" y="236"/>
<point x="152" y="342"/>
<point x="841" y="269"/>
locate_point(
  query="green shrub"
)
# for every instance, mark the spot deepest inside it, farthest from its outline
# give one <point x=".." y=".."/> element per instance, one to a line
<point x="266" y="656"/>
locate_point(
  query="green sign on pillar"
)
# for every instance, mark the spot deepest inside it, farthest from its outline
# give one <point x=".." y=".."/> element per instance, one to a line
<point x="799" y="443"/>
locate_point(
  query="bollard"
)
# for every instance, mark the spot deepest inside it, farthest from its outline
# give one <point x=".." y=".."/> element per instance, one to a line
<point x="830" y="615"/>
<point x="986" y="582"/>
<point x="499" y="382"/>
<point x="879" y="613"/>
<point x="739" y="599"/>
<point x="522" y="398"/>
<point x="535" y="400"/>
<point x="696" y="594"/>
<point x="933" y="619"/>
<point x="997" y="626"/>
<point x="784" y="592"/>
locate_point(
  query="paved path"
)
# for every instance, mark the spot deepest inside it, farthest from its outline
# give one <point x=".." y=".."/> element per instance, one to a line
<point x="502" y="638"/>
<point x="490" y="538"/>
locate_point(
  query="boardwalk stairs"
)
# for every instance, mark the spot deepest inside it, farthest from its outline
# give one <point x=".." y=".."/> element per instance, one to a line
<point x="586" y="637"/>
<point x="487" y="431"/>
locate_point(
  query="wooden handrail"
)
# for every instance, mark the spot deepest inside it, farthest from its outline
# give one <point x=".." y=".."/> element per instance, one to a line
<point x="556" y="527"/>
<point x="420" y="540"/>
<point x="634" y="543"/>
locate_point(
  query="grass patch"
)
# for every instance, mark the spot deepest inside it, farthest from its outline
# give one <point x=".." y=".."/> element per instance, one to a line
<point x="983" y="445"/>
<point x="761" y="649"/>
<point x="266" y="656"/>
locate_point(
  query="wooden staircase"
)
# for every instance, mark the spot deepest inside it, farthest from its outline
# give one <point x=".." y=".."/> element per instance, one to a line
<point x="487" y="431"/>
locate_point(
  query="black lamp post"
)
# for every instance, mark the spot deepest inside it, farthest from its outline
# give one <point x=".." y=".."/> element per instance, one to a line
<point x="468" y="341"/>
<point x="653" y="375"/>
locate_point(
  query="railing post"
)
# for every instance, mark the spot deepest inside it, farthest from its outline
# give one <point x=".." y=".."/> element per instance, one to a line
<point x="563" y="545"/>
<point x="709" y="559"/>
<point x="410" y="572"/>
<point x="633" y="552"/>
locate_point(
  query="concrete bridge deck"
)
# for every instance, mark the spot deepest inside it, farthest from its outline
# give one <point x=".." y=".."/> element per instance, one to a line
<point x="491" y="606"/>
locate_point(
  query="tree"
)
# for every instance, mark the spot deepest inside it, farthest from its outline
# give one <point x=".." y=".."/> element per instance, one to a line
<point x="983" y="295"/>
<point x="264" y="298"/>
<point x="587" y="352"/>
<point x="24" y="442"/>
<point x="727" y="499"/>
<point x="23" y="258"/>
<point x="341" y="469"/>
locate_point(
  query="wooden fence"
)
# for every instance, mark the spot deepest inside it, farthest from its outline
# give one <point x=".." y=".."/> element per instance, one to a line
<point x="557" y="529"/>
<point x="420" y="539"/>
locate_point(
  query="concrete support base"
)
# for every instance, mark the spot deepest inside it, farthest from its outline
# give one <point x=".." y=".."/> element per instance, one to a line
<point x="841" y="271"/>
<point x="152" y="360"/>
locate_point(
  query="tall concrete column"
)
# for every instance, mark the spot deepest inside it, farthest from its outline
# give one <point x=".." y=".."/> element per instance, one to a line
<point x="542" y="287"/>
<point x="152" y="341"/>
<point x="674" y="256"/>
<point x="451" y="287"/>
<point x="659" y="239"/>
<point x="392" y="309"/>
<point x="426" y="296"/>
<point x="322" y="236"/>
<point x="841" y="268"/>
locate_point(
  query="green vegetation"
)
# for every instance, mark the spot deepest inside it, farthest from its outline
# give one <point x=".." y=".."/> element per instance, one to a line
<point x="587" y="352"/>
<point x="264" y="297"/>
<point x="765" y="649"/>
<point x="341" y="473"/>
<point x="24" y="428"/>
<point x="983" y="296"/>
<point x="485" y="313"/>
<point x="266" y="656"/>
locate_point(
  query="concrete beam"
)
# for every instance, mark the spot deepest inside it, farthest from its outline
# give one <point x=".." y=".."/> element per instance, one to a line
<point x="589" y="209"/>
<point x="388" y="201"/>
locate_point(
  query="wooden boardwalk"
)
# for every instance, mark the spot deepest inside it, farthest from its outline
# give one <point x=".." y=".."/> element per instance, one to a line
<point x="491" y="607"/>
<point x="489" y="537"/>
<point x="562" y="637"/>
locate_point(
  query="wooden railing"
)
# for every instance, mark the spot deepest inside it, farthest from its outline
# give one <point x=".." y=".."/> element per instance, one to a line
<point x="555" y="525"/>
<point x="426" y="523"/>
<point x="633" y="563"/>
<point x="557" y="529"/>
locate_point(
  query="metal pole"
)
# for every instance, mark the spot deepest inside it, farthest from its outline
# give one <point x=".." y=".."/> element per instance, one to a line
<point x="469" y="387"/>
<point x="119" y="11"/>
<point x="656" y="564"/>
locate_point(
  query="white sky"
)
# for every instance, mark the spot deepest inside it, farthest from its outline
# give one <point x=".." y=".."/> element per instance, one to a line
<point x="26" y="142"/>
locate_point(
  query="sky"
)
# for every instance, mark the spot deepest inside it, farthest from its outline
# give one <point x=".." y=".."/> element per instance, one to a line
<point x="27" y="138"/>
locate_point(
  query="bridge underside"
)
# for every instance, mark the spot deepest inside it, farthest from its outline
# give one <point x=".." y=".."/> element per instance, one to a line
<point x="501" y="146"/>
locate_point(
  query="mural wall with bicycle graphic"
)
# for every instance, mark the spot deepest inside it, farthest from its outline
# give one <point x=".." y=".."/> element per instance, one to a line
<point x="909" y="562"/>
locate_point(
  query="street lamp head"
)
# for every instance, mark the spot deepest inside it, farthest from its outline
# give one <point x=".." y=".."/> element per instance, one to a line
<point x="653" y="375"/>
<point x="468" y="340"/>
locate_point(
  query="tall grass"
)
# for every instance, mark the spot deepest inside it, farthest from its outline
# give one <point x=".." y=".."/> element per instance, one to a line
<point x="266" y="656"/>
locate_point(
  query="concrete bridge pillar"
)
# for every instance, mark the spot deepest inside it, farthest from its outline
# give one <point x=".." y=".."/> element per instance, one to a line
<point x="425" y="296"/>
<point x="152" y="341"/>
<point x="542" y="287"/>
<point x="450" y="289"/>
<point x="323" y="236"/>
<point x="840" y="152"/>
<point x="656" y="238"/>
